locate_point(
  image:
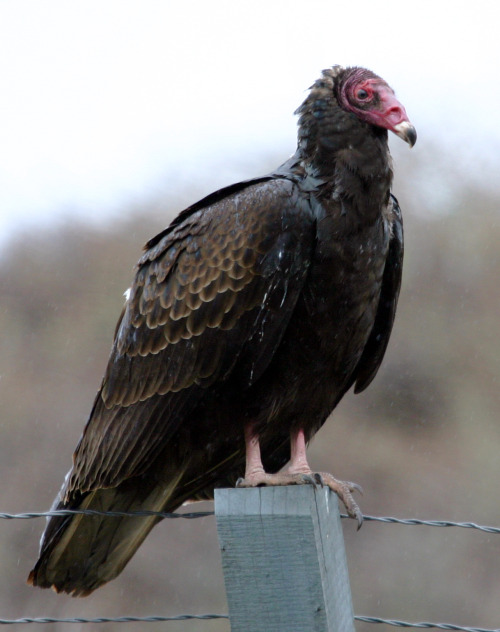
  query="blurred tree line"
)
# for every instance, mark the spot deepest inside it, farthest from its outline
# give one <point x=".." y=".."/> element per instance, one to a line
<point x="423" y="440"/>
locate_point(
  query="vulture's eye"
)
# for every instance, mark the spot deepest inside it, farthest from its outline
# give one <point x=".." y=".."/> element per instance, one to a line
<point x="362" y="94"/>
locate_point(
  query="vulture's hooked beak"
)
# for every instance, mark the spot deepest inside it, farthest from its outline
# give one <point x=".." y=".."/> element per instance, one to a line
<point x="407" y="132"/>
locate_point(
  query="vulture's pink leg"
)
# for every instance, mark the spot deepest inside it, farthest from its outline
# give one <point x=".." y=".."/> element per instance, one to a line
<point x="298" y="471"/>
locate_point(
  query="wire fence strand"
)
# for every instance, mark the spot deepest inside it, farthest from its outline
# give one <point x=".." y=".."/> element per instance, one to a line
<point x="422" y="624"/>
<point x="428" y="523"/>
<point x="180" y="617"/>
<point x="111" y="514"/>
<point x="206" y="617"/>
<point x="204" y="514"/>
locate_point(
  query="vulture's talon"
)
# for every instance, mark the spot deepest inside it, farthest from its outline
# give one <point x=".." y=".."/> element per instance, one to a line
<point x="359" y="518"/>
<point x="354" y="487"/>
<point x="319" y="479"/>
<point x="353" y="511"/>
<point x="307" y="479"/>
<point x="344" y="490"/>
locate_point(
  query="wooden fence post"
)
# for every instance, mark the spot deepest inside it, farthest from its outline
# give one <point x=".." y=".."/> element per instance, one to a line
<point x="284" y="560"/>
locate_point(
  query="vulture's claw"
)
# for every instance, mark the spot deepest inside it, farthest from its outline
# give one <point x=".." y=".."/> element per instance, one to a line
<point x="344" y="490"/>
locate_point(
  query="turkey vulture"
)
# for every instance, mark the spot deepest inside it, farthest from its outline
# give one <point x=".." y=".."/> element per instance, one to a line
<point x="248" y="319"/>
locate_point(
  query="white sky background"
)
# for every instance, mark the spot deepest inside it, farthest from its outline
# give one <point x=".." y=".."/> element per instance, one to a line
<point x="103" y="103"/>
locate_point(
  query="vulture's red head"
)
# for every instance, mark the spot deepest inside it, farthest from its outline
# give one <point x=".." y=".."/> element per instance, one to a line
<point x="350" y="109"/>
<point x="366" y="95"/>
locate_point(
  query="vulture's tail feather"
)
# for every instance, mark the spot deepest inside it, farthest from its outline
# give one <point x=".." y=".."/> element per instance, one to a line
<point x="79" y="553"/>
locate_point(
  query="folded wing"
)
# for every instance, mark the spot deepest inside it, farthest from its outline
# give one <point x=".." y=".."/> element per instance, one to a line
<point x="211" y="299"/>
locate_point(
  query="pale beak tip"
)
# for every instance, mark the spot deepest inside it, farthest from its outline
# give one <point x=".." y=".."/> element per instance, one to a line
<point x="407" y="132"/>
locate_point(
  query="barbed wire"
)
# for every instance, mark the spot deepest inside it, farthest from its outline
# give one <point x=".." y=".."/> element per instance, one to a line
<point x="205" y="617"/>
<point x="204" y="514"/>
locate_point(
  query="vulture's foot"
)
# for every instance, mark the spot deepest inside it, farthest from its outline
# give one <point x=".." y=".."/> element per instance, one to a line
<point x="343" y="489"/>
<point x="258" y="479"/>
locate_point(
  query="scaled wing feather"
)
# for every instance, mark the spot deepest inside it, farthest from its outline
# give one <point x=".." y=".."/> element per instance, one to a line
<point x="226" y="274"/>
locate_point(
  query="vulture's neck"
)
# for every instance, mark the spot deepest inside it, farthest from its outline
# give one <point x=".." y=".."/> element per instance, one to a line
<point x="349" y="156"/>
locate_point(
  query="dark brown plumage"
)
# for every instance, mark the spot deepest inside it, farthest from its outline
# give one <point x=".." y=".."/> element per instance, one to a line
<point x="248" y="319"/>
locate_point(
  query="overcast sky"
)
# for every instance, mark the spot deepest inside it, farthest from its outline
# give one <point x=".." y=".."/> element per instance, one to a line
<point x="105" y="103"/>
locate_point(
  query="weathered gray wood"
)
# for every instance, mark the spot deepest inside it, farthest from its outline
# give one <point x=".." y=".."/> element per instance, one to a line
<point x="284" y="560"/>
